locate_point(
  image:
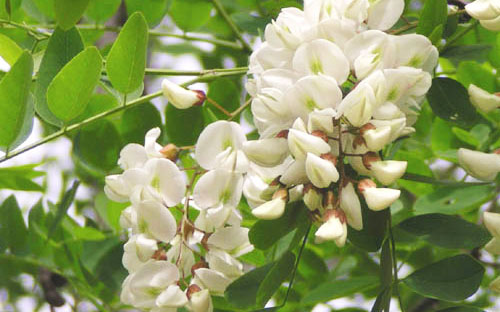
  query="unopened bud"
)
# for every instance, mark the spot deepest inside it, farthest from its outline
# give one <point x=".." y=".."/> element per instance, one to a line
<point x="170" y="151"/>
<point x="281" y="193"/>
<point x="313" y="197"/>
<point x="320" y="134"/>
<point x="366" y="127"/>
<point x="180" y="97"/>
<point x="282" y="134"/>
<point x="198" y="265"/>
<point x="366" y="184"/>
<point x="370" y="157"/>
<point x="192" y="289"/>
<point x="358" y="141"/>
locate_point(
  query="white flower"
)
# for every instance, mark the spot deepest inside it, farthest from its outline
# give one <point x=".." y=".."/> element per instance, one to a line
<point x="270" y="210"/>
<point x="287" y="30"/>
<point x="383" y="14"/>
<point x="219" y="146"/>
<point x="269" y="57"/>
<point x="415" y="51"/>
<point x="322" y="120"/>
<point x="321" y="172"/>
<point x="380" y="198"/>
<point x="313" y="199"/>
<point x="218" y="187"/>
<point x="493" y="246"/>
<point x="153" y="280"/>
<point x="233" y="239"/>
<point x="336" y="31"/>
<point x="139" y="249"/>
<point x="132" y="156"/>
<point x="312" y="92"/>
<point x="332" y="230"/>
<point x="377" y="138"/>
<point x="482" y="166"/>
<point x="201" y="301"/>
<point x="358" y="105"/>
<point x="349" y="203"/>
<point x="155" y="220"/>
<point x="482" y="99"/>
<point x="213" y="280"/>
<point x="492" y="223"/>
<point x="487" y="12"/>
<point x="321" y="56"/>
<point x="181" y="97"/>
<point x="224" y="263"/>
<point x="257" y="187"/>
<point x="388" y="171"/>
<point x="266" y="152"/>
<point x="301" y="143"/>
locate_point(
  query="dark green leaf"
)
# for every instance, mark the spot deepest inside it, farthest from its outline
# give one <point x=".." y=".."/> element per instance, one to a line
<point x="12" y="227"/>
<point x="98" y="103"/>
<point x="434" y="14"/>
<point x="63" y="206"/>
<point x="62" y="47"/>
<point x="242" y="293"/>
<point x="190" y="15"/>
<point x="249" y="23"/>
<point x="446" y="231"/>
<point x="126" y="60"/>
<point x="449" y="200"/>
<point x="153" y="10"/>
<point x="20" y="178"/>
<point x="276" y="276"/>
<point x="450" y="101"/>
<point x="266" y="233"/>
<point x="69" y="93"/>
<point x="451" y="279"/>
<point x="340" y="288"/>
<point x="224" y="92"/>
<point x="386" y="264"/>
<point x="383" y="300"/>
<point x="183" y="126"/>
<point x="460" y="53"/>
<point x="100" y="11"/>
<point x="138" y="120"/>
<point x="69" y="12"/>
<point x="471" y="72"/>
<point x="14" y="102"/>
<point x="462" y="309"/>
<point x="372" y="235"/>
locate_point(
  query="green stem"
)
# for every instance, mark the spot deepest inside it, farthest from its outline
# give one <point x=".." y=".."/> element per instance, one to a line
<point x="220" y="8"/>
<point x="395" y="264"/>
<point x="37" y="34"/>
<point x="459" y="35"/>
<point x="218" y="72"/>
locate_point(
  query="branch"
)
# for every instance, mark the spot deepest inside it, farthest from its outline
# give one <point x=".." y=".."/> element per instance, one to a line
<point x="395" y="265"/>
<point x="232" y="25"/>
<point x="219" y="72"/>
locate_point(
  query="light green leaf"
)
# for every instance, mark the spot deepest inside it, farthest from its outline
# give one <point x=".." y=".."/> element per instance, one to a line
<point x="224" y="92"/>
<point x="69" y="93"/>
<point x="62" y="47"/>
<point x="340" y="288"/>
<point x="69" y="12"/>
<point x="9" y="50"/>
<point x="472" y="72"/>
<point x="14" y="104"/>
<point x="138" y="120"/>
<point x="100" y="11"/>
<point x="126" y="61"/>
<point x="63" y="206"/>
<point x="450" y="200"/>
<point x="20" y="178"/>
<point x="153" y="10"/>
<point x="12" y="227"/>
<point x="183" y="126"/>
<point x="190" y="15"/>
<point x="434" y="14"/>
<point x="451" y="279"/>
<point x="446" y="231"/>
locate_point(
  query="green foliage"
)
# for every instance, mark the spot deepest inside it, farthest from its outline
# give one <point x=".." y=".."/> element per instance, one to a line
<point x="69" y="12"/>
<point x="183" y="126"/>
<point x="153" y="10"/>
<point x="340" y="288"/>
<point x="9" y="50"/>
<point x="20" y="178"/>
<point x="187" y="18"/>
<point x="433" y="17"/>
<point x="12" y="228"/>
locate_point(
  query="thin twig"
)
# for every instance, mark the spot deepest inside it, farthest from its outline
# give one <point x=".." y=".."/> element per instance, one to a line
<point x="395" y="264"/>
<point x="240" y="109"/>
<point x="219" y="107"/>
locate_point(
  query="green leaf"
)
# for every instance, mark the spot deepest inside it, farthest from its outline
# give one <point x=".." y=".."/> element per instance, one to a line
<point x="98" y="103"/>
<point x="383" y="300"/>
<point x="450" y="200"/>
<point x="242" y="293"/>
<point x="434" y="14"/>
<point x="20" y="178"/>
<point x="98" y="146"/>
<point x="100" y="11"/>
<point x="249" y="23"/>
<point x="450" y="101"/>
<point x="69" y="12"/>
<point x="126" y="60"/>
<point x="460" y="53"/>
<point x="224" y="92"/>
<point x="9" y="50"/>
<point x="62" y="47"/>
<point x="265" y="233"/>
<point x="471" y="72"/>
<point x="430" y="180"/>
<point x="183" y="126"/>
<point x="386" y="264"/>
<point x="451" y="279"/>
<point x="189" y="15"/>
<point x="462" y="309"/>
<point x="138" y="120"/>
<point x="277" y="275"/>
<point x="12" y="227"/>
<point x="109" y="211"/>
<point x="465" y="136"/>
<point x="69" y="93"/>
<point x="63" y="206"/>
<point x="153" y="10"/>
<point x="340" y="288"/>
<point x="372" y="235"/>
<point x="14" y="104"/>
<point x="446" y="231"/>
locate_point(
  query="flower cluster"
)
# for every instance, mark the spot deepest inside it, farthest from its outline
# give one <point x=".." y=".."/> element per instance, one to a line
<point x="492" y="223"/>
<point x="330" y="90"/>
<point x="487" y="12"/>
<point x="175" y="262"/>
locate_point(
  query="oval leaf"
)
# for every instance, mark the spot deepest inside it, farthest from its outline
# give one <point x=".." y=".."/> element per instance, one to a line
<point x="14" y="95"/>
<point x="126" y="60"/>
<point x="188" y="18"/>
<point x="434" y="14"/>
<point x="183" y="126"/>
<point x="451" y="279"/>
<point x="153" y="10"/>
<point x="100" y="11"/>
<point x="9" y="50"/>
<point x="340" y="288"/>
<point x="70" y="91"/>
<point x="69" y="12"/>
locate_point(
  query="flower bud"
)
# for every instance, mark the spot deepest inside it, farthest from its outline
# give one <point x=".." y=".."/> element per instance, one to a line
<point x="300" y="143"/>
<point x="200" y="300"/>
<point x="312" y="197"/>
<point x="270" y="210"/>
<point x="365" y="184"/>
<point x="482" y="166"/>
<point x="266" y="152"/>
<point x="320" y="171"/>
<point x="388" y="171"/>
<point x="349" y="203"/>
<point x="487" y="12"/>
<point x="380" y="198"/>
<point x="377" y="138"/>
<point x="370" y="158"/>
<point x="492" y="223"/>
<point x="170" y="151"/>
<point x="334" y="228"/>
<point x="483" y="100"/>
<point x="192" y="289"/>
<point x="181" y="98"/>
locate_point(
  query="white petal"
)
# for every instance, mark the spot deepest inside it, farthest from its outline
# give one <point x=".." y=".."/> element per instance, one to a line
<point x="383" y="14"/>
<point x="152" y="148"/>
<point x="415" y="51"/>
<point x="115" y="188"/>
<point x="493" y="246"/>
<point x="495" y="285"/>
<point x="179" y="96"/>
<point x="167" y="180"/>
<point x="301" y="143"/>
<point x="492" y="223"/>
<point x="376" y="139"/>
<point x="482" y="9"/>
<point x="482" y="99"/>
<point x="322" y="120"/>
<point x="340" y="241"/>
<point x="223" y="262"/>
<point x="214" y="281"/>
<point x="156" y="220"/>
<point x="336" y="31"/>
<point x="388" y="171"/>
<point x="172" y="297"/>
<point x="280" y="79"/>
<point x="358" y="105"/>
<point x="132" y="156"/>
<point x="201" y="301"/>
<point x="230" y="239"/>
<point x="218" y="187"/>
<point x="321" y="57"/>
<point x="380" y="198"/>
<point x="321" y="172"/>
<point x="349" y="203"/>
<point x="491" y="24"/>
<point x="330" y="230"/>
<point x="266" y="152"/>
<point x="482" y="166"/>
<point x="270" y="210"/>
<point x="313" y="199"/>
